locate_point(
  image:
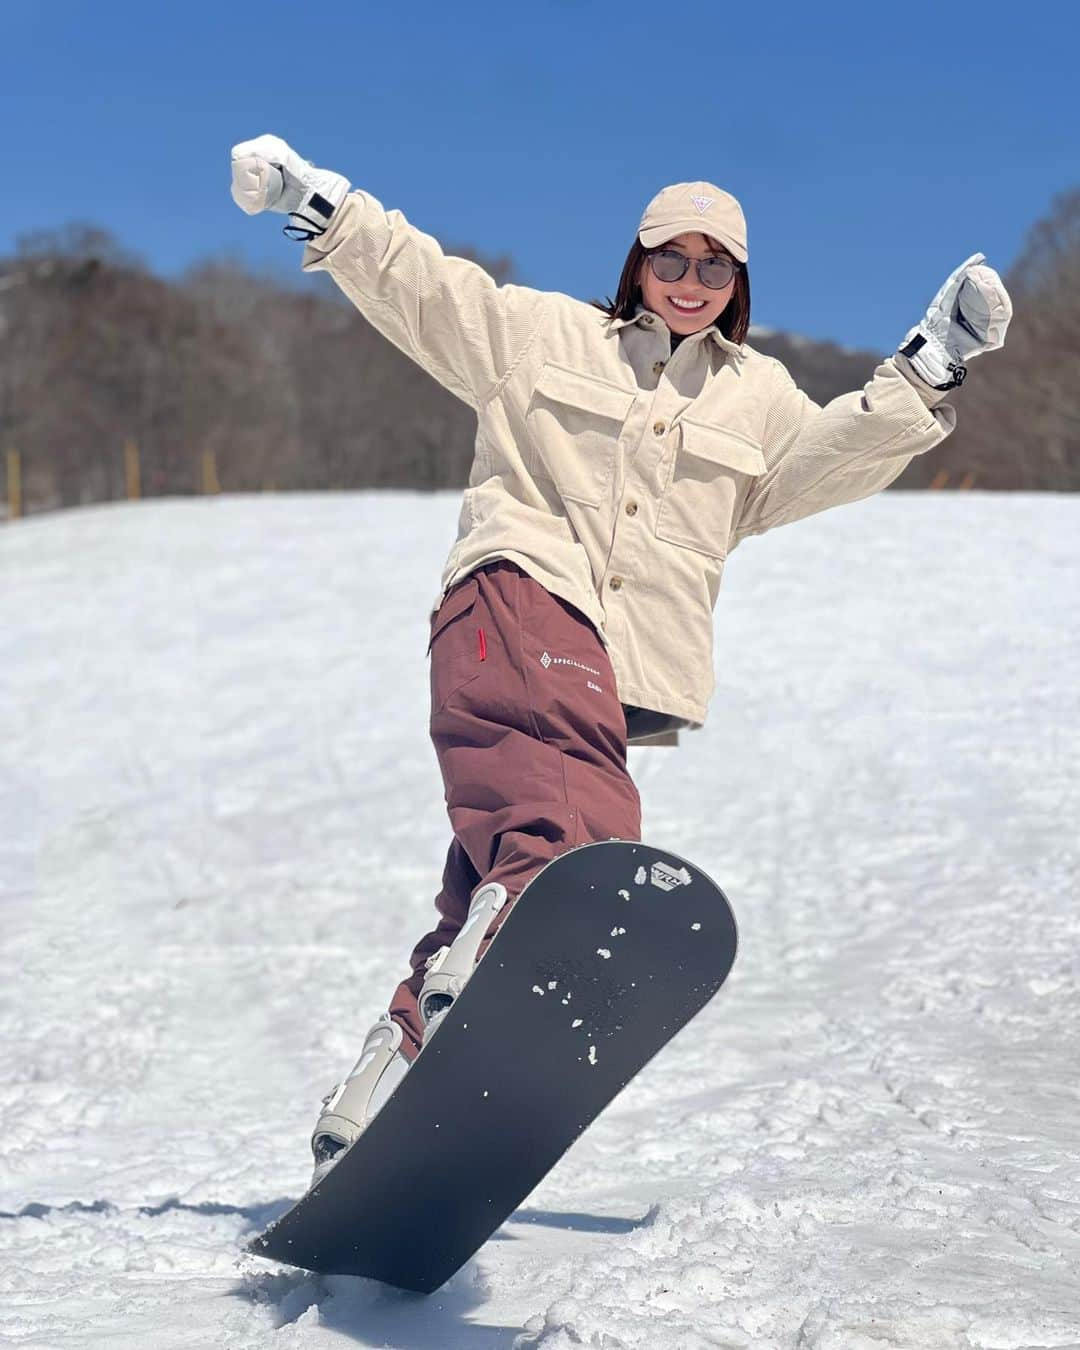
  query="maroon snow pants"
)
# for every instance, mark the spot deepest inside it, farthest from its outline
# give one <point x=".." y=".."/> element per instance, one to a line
<point x="531" y="740"/>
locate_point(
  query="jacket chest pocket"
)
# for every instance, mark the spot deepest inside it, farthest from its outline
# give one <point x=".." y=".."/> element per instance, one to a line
<point x="574" y="423"/>
<point x="709" y="470"/>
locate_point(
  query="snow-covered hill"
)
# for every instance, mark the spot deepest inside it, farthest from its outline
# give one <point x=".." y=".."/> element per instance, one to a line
<point x="222" y="829"/>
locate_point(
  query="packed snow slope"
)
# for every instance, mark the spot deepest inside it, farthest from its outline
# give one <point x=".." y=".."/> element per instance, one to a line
<point x="222" y="830"/>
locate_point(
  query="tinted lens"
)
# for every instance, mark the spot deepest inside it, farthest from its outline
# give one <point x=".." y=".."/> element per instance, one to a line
<point x="716" y="273"/>
<point x="668" y="266"/>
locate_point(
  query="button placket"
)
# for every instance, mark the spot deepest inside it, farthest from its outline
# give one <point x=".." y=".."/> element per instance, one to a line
<point x="652" y="444"/>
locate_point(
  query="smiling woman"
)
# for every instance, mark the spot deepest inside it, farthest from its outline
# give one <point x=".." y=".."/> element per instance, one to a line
<point x="672" y="274"/>
<point x="689" y="288"/>
<point x="639" y="284"/>
<point x="623" y="450"/>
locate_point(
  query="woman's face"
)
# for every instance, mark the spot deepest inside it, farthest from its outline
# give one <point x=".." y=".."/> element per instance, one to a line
<point x="660" y="296"/>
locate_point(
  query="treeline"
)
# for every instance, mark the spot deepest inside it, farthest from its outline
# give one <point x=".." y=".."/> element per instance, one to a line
<point x="287" y="388"/>
<point x="290" y="388"/>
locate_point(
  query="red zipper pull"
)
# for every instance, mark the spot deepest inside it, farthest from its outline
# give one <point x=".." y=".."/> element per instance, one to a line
<point x="483" y="644"/>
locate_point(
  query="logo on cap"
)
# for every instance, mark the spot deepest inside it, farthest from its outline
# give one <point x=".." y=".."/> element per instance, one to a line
<point x="702" y="204"/>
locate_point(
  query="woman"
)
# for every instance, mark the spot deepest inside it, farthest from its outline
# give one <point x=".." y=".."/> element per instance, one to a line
<point x="622" y="451"/>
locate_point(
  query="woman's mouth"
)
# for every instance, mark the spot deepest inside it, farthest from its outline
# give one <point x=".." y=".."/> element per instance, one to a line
<point x="686" y="306"/>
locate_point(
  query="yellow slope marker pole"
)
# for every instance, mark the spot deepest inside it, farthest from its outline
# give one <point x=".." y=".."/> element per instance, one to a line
<point x="210" y="484"/>
<point x="132" y="473"/>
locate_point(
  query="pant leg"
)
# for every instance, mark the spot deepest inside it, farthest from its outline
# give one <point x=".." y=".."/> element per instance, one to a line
<point x="459" y="881"/>
<point x="530" y="736"/>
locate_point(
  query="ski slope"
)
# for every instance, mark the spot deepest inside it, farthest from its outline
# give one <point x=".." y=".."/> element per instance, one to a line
<point x="222" y="829"/>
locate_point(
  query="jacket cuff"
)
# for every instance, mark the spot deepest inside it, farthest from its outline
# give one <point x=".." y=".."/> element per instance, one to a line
<point x="929" y="395"/>
<point x="342" y="223"/>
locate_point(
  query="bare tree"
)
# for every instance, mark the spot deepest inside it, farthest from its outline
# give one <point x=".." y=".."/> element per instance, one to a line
<point x="1019" y="410"/>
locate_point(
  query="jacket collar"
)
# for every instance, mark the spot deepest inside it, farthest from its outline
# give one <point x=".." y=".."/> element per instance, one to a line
<point x="734" y="348"/>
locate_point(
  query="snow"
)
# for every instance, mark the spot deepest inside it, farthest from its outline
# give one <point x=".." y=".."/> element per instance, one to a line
<point x="223" y="827"/>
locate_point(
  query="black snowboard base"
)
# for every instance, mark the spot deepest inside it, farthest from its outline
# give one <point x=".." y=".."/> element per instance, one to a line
<point x="609" y="951"/>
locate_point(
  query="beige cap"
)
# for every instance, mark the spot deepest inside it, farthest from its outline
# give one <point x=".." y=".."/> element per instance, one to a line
<point x="697" y="208"/>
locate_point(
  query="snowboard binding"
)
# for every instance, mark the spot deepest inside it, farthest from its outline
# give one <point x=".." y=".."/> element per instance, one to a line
<point x="352" y="1105"/>
<point x="450" y="967"/>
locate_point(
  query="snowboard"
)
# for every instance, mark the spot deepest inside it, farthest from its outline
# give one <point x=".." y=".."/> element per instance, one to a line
<point x="608" y="952"/>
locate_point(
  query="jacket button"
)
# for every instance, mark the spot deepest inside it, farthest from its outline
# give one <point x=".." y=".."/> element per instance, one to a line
<point x="657" y="367"/>
<point x="615" y="583"/>
<point x="631" y="508"/>
<point x="646" y="318"/>
<point x="659" y="428"/>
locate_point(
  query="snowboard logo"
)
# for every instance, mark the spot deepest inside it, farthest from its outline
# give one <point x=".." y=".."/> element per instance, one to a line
<point x="667" y="878"/>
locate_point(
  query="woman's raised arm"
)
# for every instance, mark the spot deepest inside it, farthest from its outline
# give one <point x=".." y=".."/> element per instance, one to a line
<point x="446" y="313"/>
<point x="818" y="457"/>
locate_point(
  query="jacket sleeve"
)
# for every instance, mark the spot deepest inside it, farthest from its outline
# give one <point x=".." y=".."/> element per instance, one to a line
<point x="854" y="446"/>
<point x="446" y="313"/>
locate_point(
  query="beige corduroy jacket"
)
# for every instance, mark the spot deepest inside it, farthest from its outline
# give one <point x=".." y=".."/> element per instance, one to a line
<point x="617" y="474"/>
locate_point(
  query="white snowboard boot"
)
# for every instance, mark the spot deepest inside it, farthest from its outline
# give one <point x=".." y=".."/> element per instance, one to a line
<point x="450" y="967"/>
<point x="351" y="1106"/>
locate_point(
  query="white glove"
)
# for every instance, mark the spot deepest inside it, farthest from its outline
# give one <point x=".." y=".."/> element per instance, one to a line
<point x="968" y="316"/>
<point x="268" y="175"/>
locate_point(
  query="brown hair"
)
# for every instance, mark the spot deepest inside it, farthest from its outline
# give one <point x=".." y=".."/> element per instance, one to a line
<point x="734" y="322"/>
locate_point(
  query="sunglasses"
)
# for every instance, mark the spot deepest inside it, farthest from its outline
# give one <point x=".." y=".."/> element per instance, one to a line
<point x="715" y="273"/>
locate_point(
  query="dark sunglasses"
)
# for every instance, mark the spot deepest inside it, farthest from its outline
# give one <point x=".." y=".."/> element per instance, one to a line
<point x="715" y="273"/>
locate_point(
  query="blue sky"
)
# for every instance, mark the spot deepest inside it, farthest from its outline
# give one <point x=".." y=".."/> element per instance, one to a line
<point x="873" y="146"/>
